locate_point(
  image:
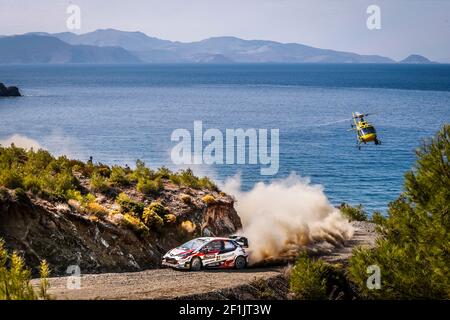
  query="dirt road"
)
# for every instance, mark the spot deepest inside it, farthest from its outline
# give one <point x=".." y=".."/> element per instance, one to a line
<point x="169" y="284"/>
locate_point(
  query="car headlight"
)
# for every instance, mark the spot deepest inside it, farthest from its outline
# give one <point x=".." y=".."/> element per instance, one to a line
<point x="184" y="255"/>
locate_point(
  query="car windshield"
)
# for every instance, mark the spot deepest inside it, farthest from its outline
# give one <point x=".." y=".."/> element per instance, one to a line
<point x="192" y="245"/>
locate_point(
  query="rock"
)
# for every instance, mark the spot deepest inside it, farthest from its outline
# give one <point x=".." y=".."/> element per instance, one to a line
<point x="3" y="89"/>
<point x="9" y="91"/>
<point x="41" y="230"/>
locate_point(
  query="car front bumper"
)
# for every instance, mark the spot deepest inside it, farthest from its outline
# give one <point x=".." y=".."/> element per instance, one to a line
<point x="176" y="264"/>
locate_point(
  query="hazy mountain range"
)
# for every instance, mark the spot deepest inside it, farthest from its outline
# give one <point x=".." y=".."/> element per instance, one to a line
<point x="114" y="46"/>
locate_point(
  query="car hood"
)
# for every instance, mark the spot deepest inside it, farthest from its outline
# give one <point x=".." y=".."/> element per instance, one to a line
<point x="178" y="251"/>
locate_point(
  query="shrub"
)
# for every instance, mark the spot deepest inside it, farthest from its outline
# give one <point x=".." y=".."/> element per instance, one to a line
<point x="32" y="183"/>
<point x="263" y="290"/>
<point x="15" y="278"/>
<point x="188" y="226"/>
<point x="188" y="179"/>
<point x="209" y="199"/>
<point x="118" y="176"/>
<point x="356" y="213"/>
<point x="152" y="220"/>
<point x="83" y="200"/>
<point x="150" y="187"/>
<point x="157" y="208"/>
<point x="11" y="179"/>
<point x="21" y="195"/>
<point x="96" y="209"/>
<point x="186" y="199"/>
<point x="163" y="173"/>
<point x="314" y="279"/>
<point x="135" y="224"/>
<point x="413" y="252"/>
<point x="308" y="279"/>
<point x="170" y="218"/>
<point x="378" y="218"/>
<point x="153" y="215"/>
<point x="206" y="183"/>
<point x="175" y="179"/>
<point x="56" y="185"/>
<point x="102" y="170"/>
<point x="99" y="183"/>
<point x="142" y="172"/>
<point x="128" y="205"/>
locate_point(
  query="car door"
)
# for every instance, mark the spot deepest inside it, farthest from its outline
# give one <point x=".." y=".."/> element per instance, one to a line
<point x="227" y="251"/>
<point x="211" y="253"/>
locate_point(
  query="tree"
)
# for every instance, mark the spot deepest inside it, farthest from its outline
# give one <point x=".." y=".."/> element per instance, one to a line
<point x="413" y="251"/>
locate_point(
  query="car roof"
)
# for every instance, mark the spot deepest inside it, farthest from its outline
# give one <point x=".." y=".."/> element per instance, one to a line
<point x="213" y="238"/>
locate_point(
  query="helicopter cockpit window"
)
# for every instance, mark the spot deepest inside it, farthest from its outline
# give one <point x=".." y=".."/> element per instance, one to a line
<point x="368" y="130"/>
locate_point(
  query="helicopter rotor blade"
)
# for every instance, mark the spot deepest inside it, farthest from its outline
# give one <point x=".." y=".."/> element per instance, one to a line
<point x="333" y="122"/>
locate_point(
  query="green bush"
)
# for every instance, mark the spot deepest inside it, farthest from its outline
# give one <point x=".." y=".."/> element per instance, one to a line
<point x="84" y="200"/>
<point x="150" y="187"/>
<point x="135" y="224"/>
<point x="163" y="173"/>
<point x="127" y="205"/>
<point x="11" y="179"/>
<point x="175" y="179"/>
<point x="99" y="183"/>
<point x="206" y="183"/>
<point x="378" y="218"/>
<point x="32" y="183"/>
<point x="37" y="171"/>
<point x="314" y="279"/>
<point x="142" y="172"/>
<point x="102" y="170"/>
<point x="154" y="214"/>
<point x="355" y="213"/>
<point x="152" y="220"/>
<point x="157" y="208"/>
<point x="118" y="176"/>
<point x="413" y="253"/>
<point x="15" y="278"/>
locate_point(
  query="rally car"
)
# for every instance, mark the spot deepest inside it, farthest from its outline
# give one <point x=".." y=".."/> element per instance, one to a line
<point x="208" y="252"/>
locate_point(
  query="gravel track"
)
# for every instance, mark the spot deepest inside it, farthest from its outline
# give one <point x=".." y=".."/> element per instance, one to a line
<point x="169" y="284"/>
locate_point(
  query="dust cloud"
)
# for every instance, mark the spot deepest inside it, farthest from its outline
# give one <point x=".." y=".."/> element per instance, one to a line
<point x="286" y="215"/>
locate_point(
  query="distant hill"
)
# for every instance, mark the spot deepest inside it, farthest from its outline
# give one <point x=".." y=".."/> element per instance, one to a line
<point x="115" y="46"/>
<point x="41" y="48"/>
<point x="215" y="50"/>
<point x="132" y="41"/>
<point x="416" y="59"/>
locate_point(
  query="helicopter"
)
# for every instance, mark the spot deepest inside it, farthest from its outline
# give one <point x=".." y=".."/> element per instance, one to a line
<point x="365" y="132"/>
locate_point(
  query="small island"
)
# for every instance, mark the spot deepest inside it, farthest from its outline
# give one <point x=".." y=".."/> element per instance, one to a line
<point x="9" y="91"/>
<point x="416" y="59"/>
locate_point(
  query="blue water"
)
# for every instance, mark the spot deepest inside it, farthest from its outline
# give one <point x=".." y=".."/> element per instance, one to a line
<point x="121" y="113"/>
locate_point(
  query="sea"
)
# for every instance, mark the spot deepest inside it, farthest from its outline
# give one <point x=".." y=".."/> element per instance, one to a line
<point x="120" y="113"/>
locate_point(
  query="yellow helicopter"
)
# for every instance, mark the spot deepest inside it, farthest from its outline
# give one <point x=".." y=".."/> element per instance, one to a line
<point x="365" y="132"/>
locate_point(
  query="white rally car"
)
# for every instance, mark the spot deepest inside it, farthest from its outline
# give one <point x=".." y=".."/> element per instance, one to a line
<point x="208" y="252"/>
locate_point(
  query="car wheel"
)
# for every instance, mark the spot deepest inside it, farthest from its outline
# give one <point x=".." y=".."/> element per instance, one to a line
<point x="240" y="262"/>
<point x="196" y="264"/>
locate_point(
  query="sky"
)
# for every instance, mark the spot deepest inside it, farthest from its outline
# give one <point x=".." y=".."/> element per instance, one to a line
<point x="407" y="26"/>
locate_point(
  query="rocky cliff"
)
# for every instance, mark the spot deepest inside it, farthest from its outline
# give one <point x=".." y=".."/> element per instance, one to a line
<point x="65" y="235"/>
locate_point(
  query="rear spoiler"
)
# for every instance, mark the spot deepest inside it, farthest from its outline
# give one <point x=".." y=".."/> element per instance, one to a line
<point x="242" y="241"/>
